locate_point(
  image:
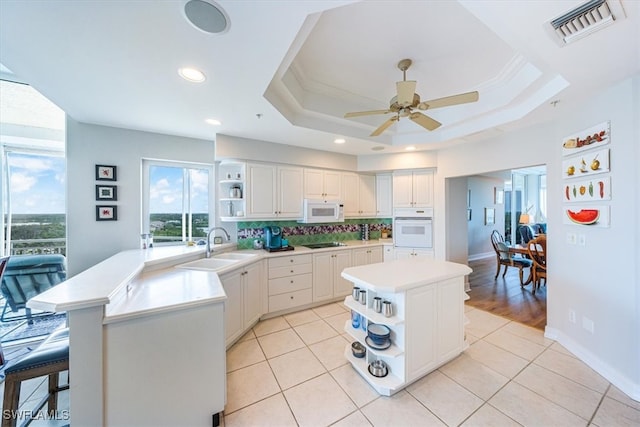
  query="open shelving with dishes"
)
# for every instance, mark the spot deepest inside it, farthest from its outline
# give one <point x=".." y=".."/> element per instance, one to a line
<point x="231" y="191"/>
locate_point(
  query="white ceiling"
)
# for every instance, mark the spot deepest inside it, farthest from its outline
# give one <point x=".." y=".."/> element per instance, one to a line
<point x="302" y="65"/>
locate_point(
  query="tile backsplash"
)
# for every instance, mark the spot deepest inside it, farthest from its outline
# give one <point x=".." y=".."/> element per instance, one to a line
<point x="301" y="234"/>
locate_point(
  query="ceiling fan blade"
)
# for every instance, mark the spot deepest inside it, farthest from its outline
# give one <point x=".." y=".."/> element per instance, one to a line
<point x="462" y="98"/>
<point x="365" y="113"/>
<point x="405" y="89"/>
<point x="425" y="121"/>
<point x="384" y="126"/>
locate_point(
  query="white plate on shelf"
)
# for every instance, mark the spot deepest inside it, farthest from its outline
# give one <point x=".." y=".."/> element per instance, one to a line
<point x="375" y="346"/>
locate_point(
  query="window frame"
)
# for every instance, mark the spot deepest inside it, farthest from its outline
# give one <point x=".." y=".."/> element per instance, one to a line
<point x="145" y="221"/>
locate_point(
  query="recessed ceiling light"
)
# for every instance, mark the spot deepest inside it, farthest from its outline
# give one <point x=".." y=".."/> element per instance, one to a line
<point x="339" y="140"/>
<point x="214" y="122"/>
<point x="378" y="148"/>
<point x="410" y="148"/>
<point x="192" y="75"/>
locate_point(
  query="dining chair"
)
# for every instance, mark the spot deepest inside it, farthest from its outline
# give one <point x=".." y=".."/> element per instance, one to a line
<point x="537" y="252"/>
<point x="503" y="257"/>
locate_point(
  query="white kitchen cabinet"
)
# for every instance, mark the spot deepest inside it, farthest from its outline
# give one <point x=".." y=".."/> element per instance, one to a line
<point x="359" y="195"/>
<point x="290" y="282"/>
<point x="384" y="196"/>
<point x="322" y="184"/>
<point x="363" y="256"/>
<point x="413" y="189"/>
<point x="427" y="324"/>
<point x="327" y="281"/>
<point x="243" y="307"/>
<point x="231" y="207"/>
<point x="274" y="191"/>
<point x="404" y="253"/>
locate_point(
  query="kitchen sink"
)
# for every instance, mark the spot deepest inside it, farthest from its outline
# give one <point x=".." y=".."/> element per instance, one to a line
<point x="210" y="264"/>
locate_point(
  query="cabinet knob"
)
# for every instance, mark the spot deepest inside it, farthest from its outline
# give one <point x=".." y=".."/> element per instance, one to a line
<point x="291" y="260"/>
<point x="291" y="281"/>
<point x="292" y="271"/>
<point x="291" y="297"/>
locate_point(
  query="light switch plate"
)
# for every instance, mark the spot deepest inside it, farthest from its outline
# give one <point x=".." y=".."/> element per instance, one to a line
<point x="571" y="238"/>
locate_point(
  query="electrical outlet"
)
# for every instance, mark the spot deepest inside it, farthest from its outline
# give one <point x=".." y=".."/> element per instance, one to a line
<point x="582" y="240"/>
<point x="571" y="238"/>
<point x="572" y="316"/>
<point x="587" y="324"/>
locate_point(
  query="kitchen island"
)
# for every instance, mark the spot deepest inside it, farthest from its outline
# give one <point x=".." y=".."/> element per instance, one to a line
<point x="426" y="323"/>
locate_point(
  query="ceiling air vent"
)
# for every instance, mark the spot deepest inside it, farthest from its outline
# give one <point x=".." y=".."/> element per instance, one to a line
<point x="585" y="19"/>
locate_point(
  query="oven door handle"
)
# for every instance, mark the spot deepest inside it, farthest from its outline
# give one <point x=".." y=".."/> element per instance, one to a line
<point x="413" y="218"/>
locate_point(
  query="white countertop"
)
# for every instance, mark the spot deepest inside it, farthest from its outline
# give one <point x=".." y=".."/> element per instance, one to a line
<point x="401" y="275"/>
<point x="100" y="284"/>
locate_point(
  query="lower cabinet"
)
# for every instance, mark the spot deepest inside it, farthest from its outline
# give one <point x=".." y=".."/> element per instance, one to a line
<point x="243" y="307"/>
<point x="290" y="282"/>
<point x="389" y="253"/>
<point x="363" y="256"/>
<point x="404" y="253"/>
<point x="327" y="281"/>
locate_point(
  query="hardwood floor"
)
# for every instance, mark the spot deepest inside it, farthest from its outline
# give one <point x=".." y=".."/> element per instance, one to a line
<point x="504" y="296"/>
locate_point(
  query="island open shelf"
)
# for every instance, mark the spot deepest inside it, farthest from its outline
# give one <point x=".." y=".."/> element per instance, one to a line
<point x="427" y="325"/>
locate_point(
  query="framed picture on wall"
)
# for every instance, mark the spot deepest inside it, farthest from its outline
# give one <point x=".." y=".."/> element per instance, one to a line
<point x="106" y="213"/>
<point x="106" y="192"/>
<point x="498" y="196"/>
<point x="489" y="216"/>
<point x="105" y="173"/>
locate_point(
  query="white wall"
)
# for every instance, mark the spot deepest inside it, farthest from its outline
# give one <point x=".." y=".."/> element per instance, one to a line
<point x="482" y="196"/>
<point x="599" y="281"/>
<point x="90" y="241"/>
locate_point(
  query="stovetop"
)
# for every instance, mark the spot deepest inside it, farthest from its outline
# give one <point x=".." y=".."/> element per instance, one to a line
<point x="324" y="245"/>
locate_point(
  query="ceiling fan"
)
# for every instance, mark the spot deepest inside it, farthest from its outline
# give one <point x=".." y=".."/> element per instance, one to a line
<point x="406" y="100"/>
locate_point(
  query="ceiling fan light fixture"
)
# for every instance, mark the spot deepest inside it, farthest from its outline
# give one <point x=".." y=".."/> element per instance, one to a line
<point x="192" y="74"/>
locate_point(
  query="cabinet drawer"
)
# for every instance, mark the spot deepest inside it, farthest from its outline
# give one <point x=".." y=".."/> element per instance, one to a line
<point x="289" y="260"/>
<point x="290" y="300"/>
<point x="290" y="283"/>
<point x="289" y="270"/>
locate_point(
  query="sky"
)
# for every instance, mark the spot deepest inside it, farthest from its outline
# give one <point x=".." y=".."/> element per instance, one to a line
<point x="37" y="184"/>
<point x="166" y="189"/>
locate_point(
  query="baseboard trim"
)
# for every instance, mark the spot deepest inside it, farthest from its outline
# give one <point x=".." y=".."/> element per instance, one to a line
<point x="484" y="255"/>
<point x="627" y="386"/>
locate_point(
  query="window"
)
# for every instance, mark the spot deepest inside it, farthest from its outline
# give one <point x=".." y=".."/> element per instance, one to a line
<point x="32" y="172"/>
<point x="177" y="203"/>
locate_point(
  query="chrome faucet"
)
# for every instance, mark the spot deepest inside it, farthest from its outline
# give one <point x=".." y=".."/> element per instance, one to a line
<point x="226" y="234"/>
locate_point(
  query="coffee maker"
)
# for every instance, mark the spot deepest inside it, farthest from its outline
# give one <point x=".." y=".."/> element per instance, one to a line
<point x="272" y="238"/>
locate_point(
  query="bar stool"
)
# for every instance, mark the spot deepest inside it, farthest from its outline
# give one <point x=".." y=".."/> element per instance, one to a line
<point x="49" y="358"/>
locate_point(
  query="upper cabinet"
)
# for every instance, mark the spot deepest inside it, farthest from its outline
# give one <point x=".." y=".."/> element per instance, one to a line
<point x="413" y="189"/>
<point x="359" y="195"/>
<point x="274" y="191"/>
<point x="384" y="201"/>
<point x="322" y="184"/>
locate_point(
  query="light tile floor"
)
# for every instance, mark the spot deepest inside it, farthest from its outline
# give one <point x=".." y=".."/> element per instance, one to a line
<point x="291" y="371"/>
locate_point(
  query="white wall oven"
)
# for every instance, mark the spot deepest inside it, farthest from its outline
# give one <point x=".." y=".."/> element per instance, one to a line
<point x="413" y="228"/>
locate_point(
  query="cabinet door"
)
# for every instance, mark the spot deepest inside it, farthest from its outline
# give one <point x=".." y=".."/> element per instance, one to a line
<point x="313" y="184"/>
<point x="403" y="253"/>
<point x="350" y="194"/>
<point x="289" y="192"/>
<point x="389" y="253"/>
<point x="322" y="276"/>
<point x="261" y="182"/>
<point x="233" y="317"/>
<point x="423" y="189"/>
<point x="402" y="189"/>
<point x="332" y="185"/>
<point x="384" y="201"/>
<point x="376" y="254"/>
<point x="252" y="294"/>
<point x="359" y="256"/>
<point x="367" y="195"/>
<point x="428" y="253"/>
<point x="341" y="286"/>
<point x="450" y="318"/>
<point x="420" y="321"/>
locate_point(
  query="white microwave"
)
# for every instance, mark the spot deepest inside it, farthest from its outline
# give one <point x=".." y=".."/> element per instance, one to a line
<point x="318" y="210"/>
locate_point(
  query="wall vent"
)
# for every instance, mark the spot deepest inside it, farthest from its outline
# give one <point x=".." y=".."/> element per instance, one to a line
<point x="585" y="19"/>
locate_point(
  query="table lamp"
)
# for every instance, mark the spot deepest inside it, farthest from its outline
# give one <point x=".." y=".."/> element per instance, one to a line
<point x="524" y="218"/>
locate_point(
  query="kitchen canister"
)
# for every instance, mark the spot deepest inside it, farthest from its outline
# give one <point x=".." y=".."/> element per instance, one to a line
<point x="377" y="304"/>
<point x="356" y="293"/>
<point x="387" y="308"/>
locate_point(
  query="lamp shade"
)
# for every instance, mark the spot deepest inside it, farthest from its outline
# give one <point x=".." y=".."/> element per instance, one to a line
<point x="524" y="218"/>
